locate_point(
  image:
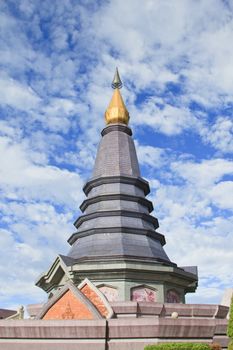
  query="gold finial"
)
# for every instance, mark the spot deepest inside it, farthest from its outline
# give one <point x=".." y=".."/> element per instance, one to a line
<point x="116" y="111"/>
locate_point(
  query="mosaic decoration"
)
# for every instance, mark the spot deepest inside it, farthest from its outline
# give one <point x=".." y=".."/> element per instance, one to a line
<point x="173" y="297"/>
<point x="143" y="294"/>
<point x="110" y="293"/>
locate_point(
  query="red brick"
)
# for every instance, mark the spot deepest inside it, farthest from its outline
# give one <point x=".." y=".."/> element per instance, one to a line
<point x="68" y="307"/>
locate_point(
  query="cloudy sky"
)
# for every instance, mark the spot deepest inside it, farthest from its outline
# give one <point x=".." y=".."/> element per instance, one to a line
<point x="57" y="61"/>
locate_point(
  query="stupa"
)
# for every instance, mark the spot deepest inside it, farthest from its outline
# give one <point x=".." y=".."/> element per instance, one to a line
<point x="116" y="288"/>
<point x="116" y="244"/>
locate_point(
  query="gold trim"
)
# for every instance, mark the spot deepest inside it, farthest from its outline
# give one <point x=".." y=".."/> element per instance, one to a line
<point x="116" y="111"/>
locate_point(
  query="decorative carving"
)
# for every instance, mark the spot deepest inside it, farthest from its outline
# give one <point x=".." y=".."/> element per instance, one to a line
<point x="68" y="314"/>
<point x="96" y="297"/>
<point x="173" y="296"/>
<point x="110" y="293"/>
<point x="143" y="294"/>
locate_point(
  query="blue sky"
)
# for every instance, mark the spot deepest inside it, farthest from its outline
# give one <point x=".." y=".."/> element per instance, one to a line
<point x="57" y="63"/>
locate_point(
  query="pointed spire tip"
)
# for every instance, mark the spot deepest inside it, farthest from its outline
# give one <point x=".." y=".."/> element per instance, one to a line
<point x="116" y="111"/>
<point x="116" y="83"/>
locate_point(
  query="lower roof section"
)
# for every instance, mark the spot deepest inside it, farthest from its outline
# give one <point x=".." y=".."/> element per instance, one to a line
<point x="121" y="268"/>
<point x="118" y="244"/>
<point x="130" y="180"/>
<point x="121" y="229"/>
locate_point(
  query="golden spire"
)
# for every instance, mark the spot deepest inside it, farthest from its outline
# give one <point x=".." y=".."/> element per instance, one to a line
<point x="116" y="111"/>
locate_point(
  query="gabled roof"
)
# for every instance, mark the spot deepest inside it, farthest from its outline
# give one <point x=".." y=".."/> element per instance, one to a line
<point x="55" y="273"/>
<point x="76" y="305"/>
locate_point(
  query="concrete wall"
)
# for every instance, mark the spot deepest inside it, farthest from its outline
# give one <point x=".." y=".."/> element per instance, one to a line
<point x="127" y="333"/>
<point x="51" y="335"/>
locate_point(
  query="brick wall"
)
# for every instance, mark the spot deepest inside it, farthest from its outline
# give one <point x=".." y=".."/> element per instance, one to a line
<point x="68" y="307"/>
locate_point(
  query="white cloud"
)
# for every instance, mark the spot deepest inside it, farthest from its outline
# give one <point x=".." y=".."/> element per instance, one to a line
<point x="190" y="216"/>
<point x="184" y="43"/>
<point x="21" y="178"/>
<point x="220" y="134"/>
<point x="35" y="233"/>
<point x="204" y="173"/>
<point x="17" y="95"/>
<point x="152" y="156"/>
<point x="7" y="130"/>
<point x="169" y="119"/>
<point x="222" y="195"/>
<point x="191" y="242"/>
